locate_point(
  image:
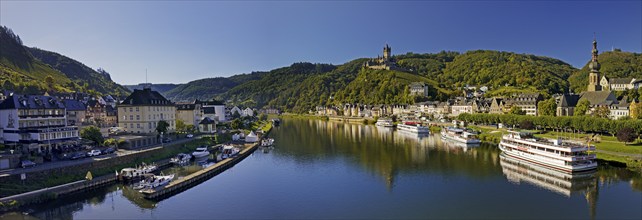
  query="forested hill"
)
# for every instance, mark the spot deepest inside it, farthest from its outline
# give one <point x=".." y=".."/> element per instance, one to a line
<point x="22" y="71"/>
<point x="614" y="64"/>
<point x="98" y="80"/>
<point x="509" y="70"/>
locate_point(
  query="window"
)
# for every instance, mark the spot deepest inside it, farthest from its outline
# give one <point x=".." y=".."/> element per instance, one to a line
<point x="138" y="117"/>
<point x="136" y="108"/>
<point x="131" y="117"/>
<point x="131" y="109"/>
<point x="137" y="125"/>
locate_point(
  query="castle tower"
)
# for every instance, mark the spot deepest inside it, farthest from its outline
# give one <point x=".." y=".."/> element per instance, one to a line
<point x="386" y="53"/>
<point x="594" y="75"/>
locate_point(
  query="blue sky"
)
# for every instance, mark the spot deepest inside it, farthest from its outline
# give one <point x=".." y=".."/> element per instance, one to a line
<point x="180" y="41"/>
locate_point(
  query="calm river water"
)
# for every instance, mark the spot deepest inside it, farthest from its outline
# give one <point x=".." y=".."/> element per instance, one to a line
<point x="325" y="169"/>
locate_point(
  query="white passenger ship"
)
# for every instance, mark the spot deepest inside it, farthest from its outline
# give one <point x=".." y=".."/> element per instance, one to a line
<point x="413" y="127"/>
<point x="555" y="154"/>
<point x="459" y="135"/>
<point x="385" y="122"/>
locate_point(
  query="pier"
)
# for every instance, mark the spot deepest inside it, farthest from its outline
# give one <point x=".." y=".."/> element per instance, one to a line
<point x="193" y="179"/>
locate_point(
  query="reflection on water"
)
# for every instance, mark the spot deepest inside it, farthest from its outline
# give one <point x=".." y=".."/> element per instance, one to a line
<point x="399" y="174"/>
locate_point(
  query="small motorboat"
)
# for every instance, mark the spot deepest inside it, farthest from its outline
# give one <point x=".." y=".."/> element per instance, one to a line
<point x="229" y="151"/>
<point x="268" y="142"/>
<point x="201" y="152"/>
<point x="181" y="159"/>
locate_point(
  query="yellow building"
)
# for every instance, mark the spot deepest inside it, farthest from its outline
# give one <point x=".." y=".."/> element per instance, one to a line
<point x="141" y="111"/>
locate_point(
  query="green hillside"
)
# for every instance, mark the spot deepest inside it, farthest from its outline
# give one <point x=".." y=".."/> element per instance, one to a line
<point x="614" y="64"/>
<point x="98" y="81"/>
<point x="22" y="71"/>
<point x="275" y="83"/>
<point x="498" y="69"/>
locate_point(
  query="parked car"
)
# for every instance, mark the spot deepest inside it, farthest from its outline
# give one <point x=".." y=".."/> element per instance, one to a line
<point x="109" y="150"/>
<point x="93" y="153"/>
<point x="77" y="155"/>
<point x="189" y="135"/>
<point x="27" y="163"/>
<point x="167" y="140"/>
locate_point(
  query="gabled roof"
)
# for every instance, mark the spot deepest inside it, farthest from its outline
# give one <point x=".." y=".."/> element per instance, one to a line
<point x="620" y="80"/>
<point x="146" y="97"/>
<point x="599" y="97"/>
<point x="569" y="100"/>
<point x="206" y="121"/>
<point x="209" y="102"/>
<point x="74" y="105"/>
<point x="31" y="102"/>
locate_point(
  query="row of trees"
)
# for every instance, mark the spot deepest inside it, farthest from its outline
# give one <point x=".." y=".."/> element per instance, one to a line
<point x="564" y="123"/>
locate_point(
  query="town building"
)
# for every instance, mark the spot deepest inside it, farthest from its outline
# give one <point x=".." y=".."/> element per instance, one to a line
<point x="620" y="84"/>
<point x="418" y="89"/>
<point x="214" y="109"/>
<point x="75" y="111"/>
<point x="36" y="123"/>
<point x="141" y="111"/>
<point x="190" y="113"/>
<point x="461" y="106"/>
<point x="497" y="106"/>
<point x="566" y="105"/>
<point x="527" y="102"/>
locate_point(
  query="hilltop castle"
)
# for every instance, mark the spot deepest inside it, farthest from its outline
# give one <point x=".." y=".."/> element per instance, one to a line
<point x="383" y="63"/>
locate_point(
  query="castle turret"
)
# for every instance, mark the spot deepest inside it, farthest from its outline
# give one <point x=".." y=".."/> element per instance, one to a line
<point x="594" y="75"/>
<point x="386" y="53"/>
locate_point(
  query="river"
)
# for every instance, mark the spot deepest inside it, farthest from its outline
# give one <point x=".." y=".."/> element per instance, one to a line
<point x="326" y="169"/>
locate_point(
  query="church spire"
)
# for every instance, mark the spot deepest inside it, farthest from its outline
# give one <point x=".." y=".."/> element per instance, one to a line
<point x="594" y="67"/>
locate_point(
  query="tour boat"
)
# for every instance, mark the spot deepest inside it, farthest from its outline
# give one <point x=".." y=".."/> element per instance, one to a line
<point x="459" y="135"/>
<point x="201" y="152"/>
<point x="229" y="151"/>
<point x="181" y="159"/>
<point x="268" y="142"/>
<point x="129" y="173"/>
<point x="385" y="122"/>
<point x="555" y="154"/>
<point x="413" y="127"/>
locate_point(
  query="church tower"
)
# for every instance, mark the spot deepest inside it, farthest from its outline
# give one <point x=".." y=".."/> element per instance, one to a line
<point x="386" y="53"/>
<point x="594" y="75"/>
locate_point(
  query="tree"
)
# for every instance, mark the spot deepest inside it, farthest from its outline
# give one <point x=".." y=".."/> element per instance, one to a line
<point x="180" y="126"/>
<point x="263" y="117"/>
<point x="626" y="134"/>
<point x="236" y="123"/>
<point x="547" y="107"/>
<point x="162" y="126"/>
<point x="636" y="110"/>
<point x="582" y="107"/>
<point x="516" y="110"/>
<point x="49" y="80"/>
<point x="110" y="142"/>
<point x="92" y="133"/>
<point x="602" y="112"/>
<point x="236" y="115"/>
<point x="526" y="124"/>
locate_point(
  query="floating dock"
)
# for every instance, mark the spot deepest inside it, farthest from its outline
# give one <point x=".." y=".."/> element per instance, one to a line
<point x="193" y="179"/>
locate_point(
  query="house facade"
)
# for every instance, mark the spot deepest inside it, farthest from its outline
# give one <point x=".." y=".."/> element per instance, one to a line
<point x="141" y="111"/>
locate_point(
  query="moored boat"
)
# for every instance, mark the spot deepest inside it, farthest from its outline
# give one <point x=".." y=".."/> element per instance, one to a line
<point x="413" y="127"/>
<point x="229" y="151"/>
<point x="181" y="159"/>
<point x="128" y="174"/>
<point x="385" y="122"/>
<point x="201" y="152"/>
<point x="459" y="135"/>
<point x="267" y="142"/>
<point x="554" y="154"/>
